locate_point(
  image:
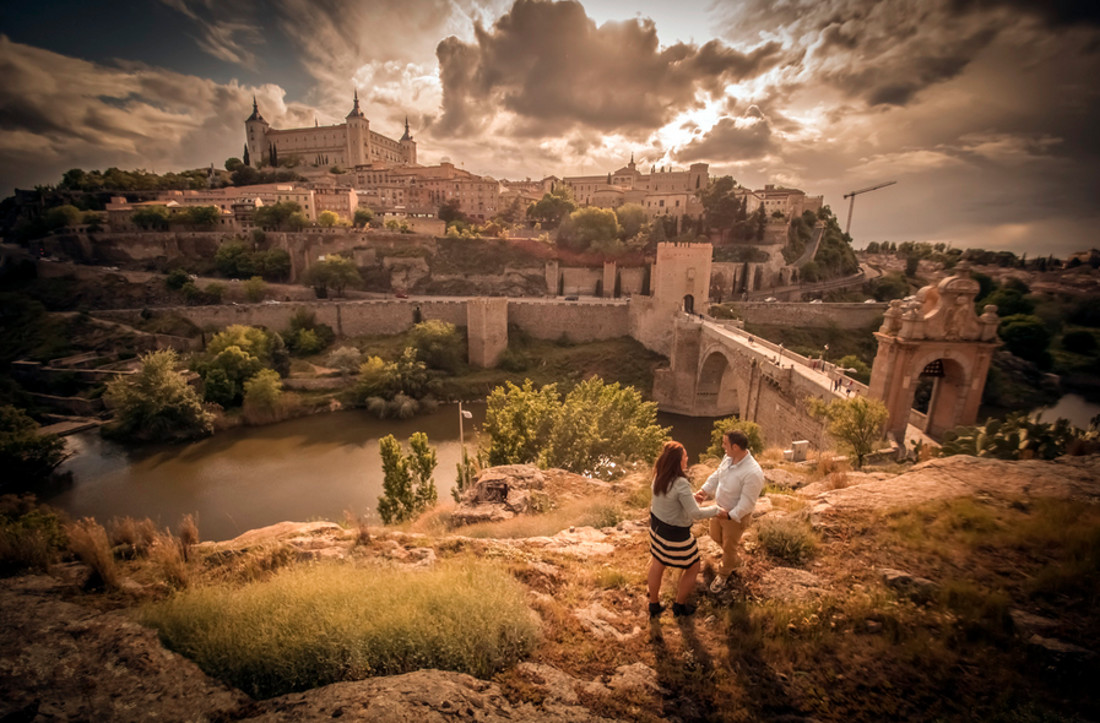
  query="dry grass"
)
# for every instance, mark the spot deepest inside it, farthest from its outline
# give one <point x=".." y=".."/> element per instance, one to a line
<point x="771" y="456"/>
<point x="31" y="536"/>
<point x="828" y="464"/>
<point x="88" y="541"/>
<point x="135" y="536"/>
<point x="188" y="532"/>
<point x="357" y="522"/>
<point x="312" y="625"/>
<point x="787" y="539"/>
<point x="574" y="513"/>
<point x="168" y="558"/>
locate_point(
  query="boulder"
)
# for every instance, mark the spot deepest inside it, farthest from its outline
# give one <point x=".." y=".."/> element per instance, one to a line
<point x="500" y="493"/>
<point x="918" y="589"/>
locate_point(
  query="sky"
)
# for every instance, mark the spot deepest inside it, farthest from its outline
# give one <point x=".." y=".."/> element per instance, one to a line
<point x="985" y="112"/>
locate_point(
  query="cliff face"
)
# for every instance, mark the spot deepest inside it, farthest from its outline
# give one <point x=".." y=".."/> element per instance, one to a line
<point x="66" y="655"/>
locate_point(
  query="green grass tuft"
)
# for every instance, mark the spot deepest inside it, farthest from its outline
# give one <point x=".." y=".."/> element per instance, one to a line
<point x="787" y="539"/>
<point x="313" y="625"/>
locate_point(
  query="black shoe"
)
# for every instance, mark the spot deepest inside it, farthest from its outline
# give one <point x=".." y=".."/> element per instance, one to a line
<point x="682" y="611"/>
<point x="655" y="610"/>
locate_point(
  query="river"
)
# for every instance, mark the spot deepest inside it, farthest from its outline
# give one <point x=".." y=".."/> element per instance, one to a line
<point x="303" y="469"/>
<point x="1073" y="407"/>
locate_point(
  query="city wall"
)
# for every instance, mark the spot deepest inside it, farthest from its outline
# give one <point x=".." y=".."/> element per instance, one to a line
<point x="542" y="319"/>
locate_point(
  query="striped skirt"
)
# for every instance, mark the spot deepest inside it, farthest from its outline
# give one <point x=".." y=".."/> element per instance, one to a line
<point x="671" y="545"/>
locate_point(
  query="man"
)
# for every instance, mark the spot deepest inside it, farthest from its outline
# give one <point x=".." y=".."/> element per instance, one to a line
<point x="735" y="485"/>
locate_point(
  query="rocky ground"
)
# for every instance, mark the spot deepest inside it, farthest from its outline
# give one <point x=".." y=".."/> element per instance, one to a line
<point x="69" y="655"/>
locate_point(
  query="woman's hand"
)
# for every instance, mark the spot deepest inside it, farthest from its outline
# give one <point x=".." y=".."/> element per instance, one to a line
<point x="723" y="513"/>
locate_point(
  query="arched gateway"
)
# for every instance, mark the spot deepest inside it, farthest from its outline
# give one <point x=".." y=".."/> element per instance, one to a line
<point x="935" y="336"/>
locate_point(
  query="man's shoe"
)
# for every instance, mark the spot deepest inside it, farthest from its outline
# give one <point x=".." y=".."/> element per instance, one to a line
<point x="718" y="583"/>
<point x="655" y="610"/>
<point x="682" y="611"/>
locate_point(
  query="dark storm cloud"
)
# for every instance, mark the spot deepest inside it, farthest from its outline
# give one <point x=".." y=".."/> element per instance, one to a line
<point x="1056" y="13"/>
<point x="554" y="68"/>
<point x="883" y="53"/>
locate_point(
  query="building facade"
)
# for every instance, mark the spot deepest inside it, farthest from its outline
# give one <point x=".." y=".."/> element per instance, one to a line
<point x="351" y="143"/>
<point x="660" y="193"/>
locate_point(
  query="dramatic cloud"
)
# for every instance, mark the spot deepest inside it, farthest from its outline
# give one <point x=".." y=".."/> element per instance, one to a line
<point x="554" y="69"/>
<point x="58" y="113"/>
<point x="734" y="139"/>
<point x="225" y="36"/>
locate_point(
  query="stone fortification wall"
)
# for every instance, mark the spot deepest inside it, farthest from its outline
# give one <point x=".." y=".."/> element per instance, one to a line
<point x="577" y="320"/>
<point x="542" y="319"/>
<point x="845" y="316"/>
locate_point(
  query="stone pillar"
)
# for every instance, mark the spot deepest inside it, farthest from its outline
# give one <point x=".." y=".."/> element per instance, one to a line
<point x="552" y="276"/>
<point x="486" y="330"/>
<point x="609" y="271"/>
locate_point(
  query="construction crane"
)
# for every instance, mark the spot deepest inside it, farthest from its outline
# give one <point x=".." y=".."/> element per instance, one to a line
<point x="853" y="195"/>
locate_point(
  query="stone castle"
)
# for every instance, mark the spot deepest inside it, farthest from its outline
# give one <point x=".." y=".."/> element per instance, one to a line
<point x="350" y="144"/>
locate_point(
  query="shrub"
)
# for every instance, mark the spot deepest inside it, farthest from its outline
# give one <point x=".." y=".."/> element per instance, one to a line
<point x="438" y="344"/>
<point x="309" y="626"/>
<point x="346" y="360"/>
<point x="88" y="541"/>
<point x="786" y="539"/>
<point x="750" y="430"/>
<point x="176" y="279"/>
<point x="135" y="537"/>
<point x="26" y="456"/>
<point x="157" y="403"/>
<point x="255" y="289"/>
<point x="1079" y="342"/>
<point x="31" y="536"/>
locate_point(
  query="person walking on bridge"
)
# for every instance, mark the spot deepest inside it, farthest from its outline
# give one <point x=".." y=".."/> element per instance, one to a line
<point x="735" y="486"/>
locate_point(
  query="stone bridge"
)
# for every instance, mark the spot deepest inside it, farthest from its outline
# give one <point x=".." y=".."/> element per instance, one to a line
<point x="717" y="370"/>
<point x="934" y="339"/>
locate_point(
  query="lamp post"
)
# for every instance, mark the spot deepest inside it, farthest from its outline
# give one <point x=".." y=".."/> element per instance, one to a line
<point x="463" y="415"/>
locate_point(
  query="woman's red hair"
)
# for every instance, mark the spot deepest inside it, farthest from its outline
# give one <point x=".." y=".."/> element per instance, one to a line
<point x="669" y="466"/>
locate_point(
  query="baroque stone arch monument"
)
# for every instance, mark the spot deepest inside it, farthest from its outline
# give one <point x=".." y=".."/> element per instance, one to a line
<point x="937" y="336"/>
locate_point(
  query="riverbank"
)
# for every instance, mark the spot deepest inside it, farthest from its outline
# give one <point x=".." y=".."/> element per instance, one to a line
<point x="953" y="590"/>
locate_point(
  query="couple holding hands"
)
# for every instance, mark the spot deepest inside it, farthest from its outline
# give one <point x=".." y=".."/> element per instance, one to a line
<point x="734" y="486"/>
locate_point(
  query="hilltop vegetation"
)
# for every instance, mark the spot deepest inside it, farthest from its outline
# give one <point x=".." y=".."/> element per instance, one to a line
<point x="951" y="591"/>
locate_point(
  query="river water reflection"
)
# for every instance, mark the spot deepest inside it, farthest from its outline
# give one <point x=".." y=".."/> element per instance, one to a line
<point x="310" y="468"/>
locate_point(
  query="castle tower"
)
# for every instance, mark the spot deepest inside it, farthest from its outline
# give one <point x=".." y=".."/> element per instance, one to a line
<point x="255" y="136"/>
<point x="358" y="136"/>
<point x="408" y="145"/>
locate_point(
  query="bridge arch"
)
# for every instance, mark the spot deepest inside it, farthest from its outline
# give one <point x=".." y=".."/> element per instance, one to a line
<point x="722" y="382"/>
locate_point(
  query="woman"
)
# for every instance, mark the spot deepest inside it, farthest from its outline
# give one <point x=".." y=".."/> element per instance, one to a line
<point x="671" y="543"/>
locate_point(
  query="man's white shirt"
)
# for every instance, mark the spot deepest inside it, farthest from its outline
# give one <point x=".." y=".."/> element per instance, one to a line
<point x="736" y="486"/>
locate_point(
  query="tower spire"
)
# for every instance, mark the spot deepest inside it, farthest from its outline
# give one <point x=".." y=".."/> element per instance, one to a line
<point x="406" y="137"/>
<point x="355" y="107"/>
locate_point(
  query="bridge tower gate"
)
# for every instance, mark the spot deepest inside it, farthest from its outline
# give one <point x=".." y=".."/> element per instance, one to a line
<point x="939" y="337"/>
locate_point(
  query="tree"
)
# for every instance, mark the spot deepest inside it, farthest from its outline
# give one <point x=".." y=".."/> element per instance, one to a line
<point x="518" y="422"/>
<point x="334" y="271"/>
<point x="255" y="289"/>
<point x="856" y="367"/>
<point x="401" y="500"/>
<point x="263" y="393"/>
<point x="61" y="216"/>
<point x="552" y="207"/>
<point x="277" y="215"/>
<point x="857" y="423"/>
<point x="438" y="344"/>
<point x="451" y="213"/>
<point x="631" y="217"/>
<point x="1009" y="302"/>
<point x="27" y="456"/>
<point x="273" y="264"/>
<point x="599" y="427"/>
<point x="362" y="217"/>
<point x="721" y="426"/>
<point x="234" y="260"/>
<point x="594" y="429"/>
<point x="225" y="375"/>
<point x="207" y="216"/>
<point x="1027" y="337"/>
<point x="232" y="163"/>
<point x="583" y="227"/>
<point x="327" y="219"/>
<point x="151" y="217"/>
<point x="422" y="462"/>
<point x="157" y="404"/>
